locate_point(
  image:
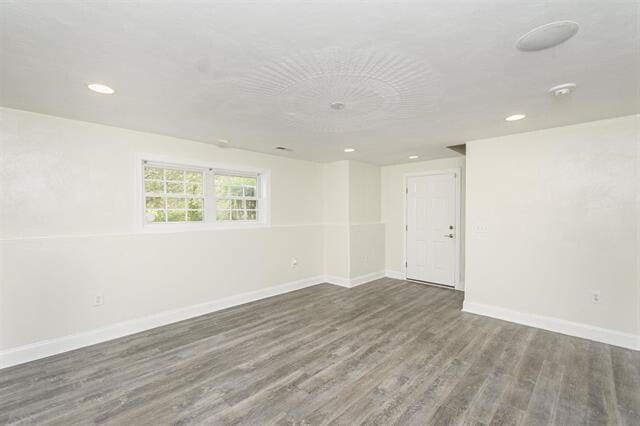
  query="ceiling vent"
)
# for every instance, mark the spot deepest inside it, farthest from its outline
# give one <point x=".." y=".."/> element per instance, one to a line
<point x="548" y="35"/>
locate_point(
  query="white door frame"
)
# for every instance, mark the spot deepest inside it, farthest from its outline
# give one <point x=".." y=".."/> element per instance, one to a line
<point x="457" y="208"/>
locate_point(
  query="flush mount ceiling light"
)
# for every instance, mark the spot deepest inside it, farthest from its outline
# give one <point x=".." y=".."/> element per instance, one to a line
<point x="562" y="89"/>
<point x="413" y="157"/>
<point x="222" y="143"/>
<point x="101" y="88"/>
<point x="548" y="35"/>
<point x="515" y="117"/>
<point x="349" y="149"/>
<point x="338" y="106"/>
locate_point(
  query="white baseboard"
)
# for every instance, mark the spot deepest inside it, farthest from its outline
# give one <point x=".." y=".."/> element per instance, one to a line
<point x="335" y="280"/>
<point x="353" y="282"/>
<point x="393" y="274"/>
<point x="363" y="279"/>
<point x="45" y="348"/>
<point x="598" y="334"/>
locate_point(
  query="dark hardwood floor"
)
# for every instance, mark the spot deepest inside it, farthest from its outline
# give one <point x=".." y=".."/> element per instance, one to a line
<point x="387" y="352"/>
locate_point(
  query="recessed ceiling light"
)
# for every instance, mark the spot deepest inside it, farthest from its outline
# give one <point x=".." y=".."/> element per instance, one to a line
<point x="413" y="157"/>
<point x="515" y="117"/>
<point x="548" y="35"/>
<point x="101" y="88"/>
<point x="349" y="149"/>
<point x="337" y="105"/>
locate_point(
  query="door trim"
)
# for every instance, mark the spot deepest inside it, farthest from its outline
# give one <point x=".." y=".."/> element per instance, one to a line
<point x="457" y="209"/>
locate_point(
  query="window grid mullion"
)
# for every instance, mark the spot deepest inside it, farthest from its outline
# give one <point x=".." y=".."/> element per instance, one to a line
<point x="210" y="197"/>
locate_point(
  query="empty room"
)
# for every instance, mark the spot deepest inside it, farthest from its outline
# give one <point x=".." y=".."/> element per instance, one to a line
<point x="320" y="212"/>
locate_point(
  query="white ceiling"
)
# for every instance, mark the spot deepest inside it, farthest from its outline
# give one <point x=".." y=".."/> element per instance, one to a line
<point x="414" y="77"/>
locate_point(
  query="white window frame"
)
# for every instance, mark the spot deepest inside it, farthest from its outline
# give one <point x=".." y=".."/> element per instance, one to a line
<point x="210" y="222"/>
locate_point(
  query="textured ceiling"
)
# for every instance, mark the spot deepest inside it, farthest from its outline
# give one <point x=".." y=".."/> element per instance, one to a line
<point x="372" y="87"/>
<point x="407" y="78"/>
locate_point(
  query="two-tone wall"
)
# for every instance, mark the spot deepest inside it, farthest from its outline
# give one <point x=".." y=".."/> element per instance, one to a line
<point x="551" y="219"/>
<point x="354" y="234"/>
<point x="69" y="233"/>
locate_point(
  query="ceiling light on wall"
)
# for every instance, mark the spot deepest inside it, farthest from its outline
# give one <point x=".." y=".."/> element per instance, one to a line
<point x="101" y="88"/>
<point x="548" y="35"/>
<point x="562" y="89"/>
<point x="349" y="149"/>
<point x="515" y="117"/>
<point x="222" y="143"/>
<point x="413" y="157"/>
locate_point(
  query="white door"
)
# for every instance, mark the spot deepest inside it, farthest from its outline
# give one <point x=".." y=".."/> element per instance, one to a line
<point x="431" y="233"/>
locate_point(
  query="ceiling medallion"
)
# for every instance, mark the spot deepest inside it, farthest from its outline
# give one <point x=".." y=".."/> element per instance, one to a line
<point x="373" y="88"/>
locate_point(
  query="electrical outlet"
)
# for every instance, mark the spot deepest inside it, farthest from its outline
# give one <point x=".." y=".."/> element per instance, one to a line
<point x="595" y="297"/>
<point x="98" y="300"/>
<point x="294" y="262"/>
<point x="481" y="229"/>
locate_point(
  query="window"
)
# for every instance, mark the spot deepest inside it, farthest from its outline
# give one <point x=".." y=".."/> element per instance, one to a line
<point x="186" y="194"/>
<point x="173" y="194"/>
<point x="236" y="197"/>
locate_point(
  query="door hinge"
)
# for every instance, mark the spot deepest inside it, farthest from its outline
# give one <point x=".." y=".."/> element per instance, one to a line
<point x="406" y="190"/>
<point x="406" y="227"/>
<point x="406" y="264"/>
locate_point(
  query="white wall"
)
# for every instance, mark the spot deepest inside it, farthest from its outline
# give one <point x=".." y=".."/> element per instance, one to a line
<point x="560" y="210"/>
<point x="68" y="233"/>
<point x="354" y="236"/>
<point x="366" y="248"/>
<point x="638" y="223"/>
<point x="364" y="193"/>
<point x="68" y="230"/>
<point x="335" y="188"/>
<point x="366" y="232"/>
<point x="393" y="187"/>
<point x="336" y="219"/>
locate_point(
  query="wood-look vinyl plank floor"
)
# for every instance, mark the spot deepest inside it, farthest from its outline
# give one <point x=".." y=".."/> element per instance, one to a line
<point x="387" y="352"/>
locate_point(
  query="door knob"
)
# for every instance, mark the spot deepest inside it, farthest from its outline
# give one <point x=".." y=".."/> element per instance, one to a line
<point x="449" y="235"/>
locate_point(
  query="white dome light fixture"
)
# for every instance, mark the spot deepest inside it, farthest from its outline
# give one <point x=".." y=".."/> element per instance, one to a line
<point x="103" y="89"/>
<point x="413" y="157"/>
<point x="548" y="35"/>
<point x="515" y="117"/>
<point x="562" y="90"/>
<point x="349" y="149"/>
<point x="222" y="143"/>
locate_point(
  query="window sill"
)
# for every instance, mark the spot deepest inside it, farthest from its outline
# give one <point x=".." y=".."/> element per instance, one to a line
<point x="163" y="228"/>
